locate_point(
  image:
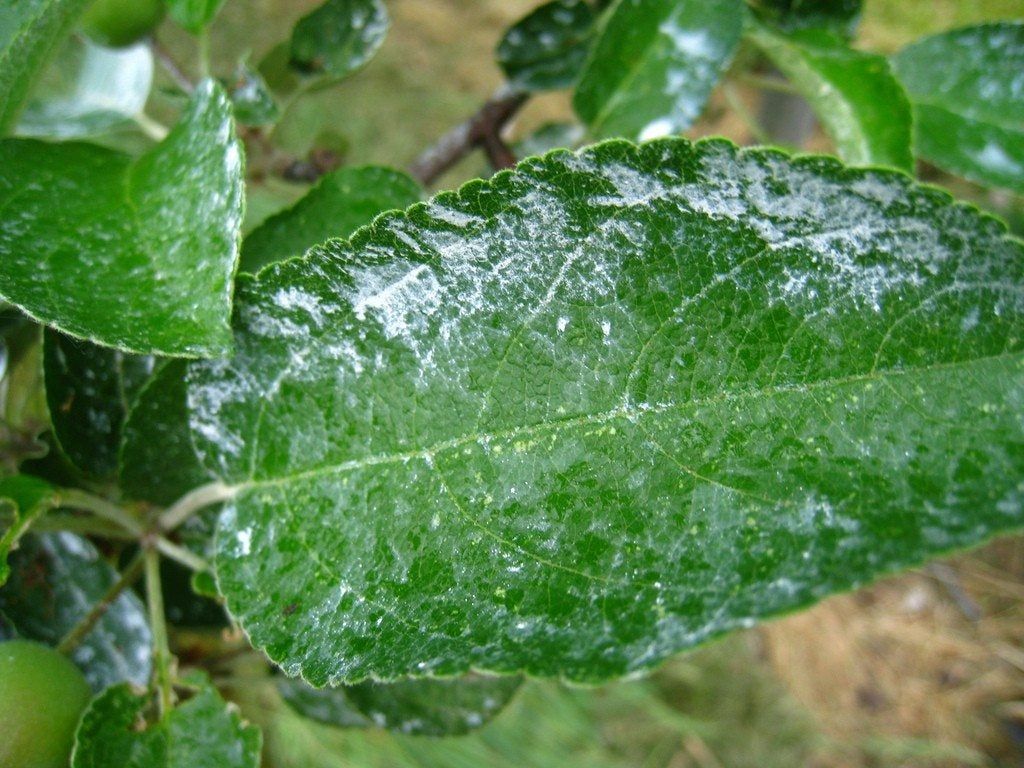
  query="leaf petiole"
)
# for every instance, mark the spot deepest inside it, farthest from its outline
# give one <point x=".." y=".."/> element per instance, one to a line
<point x="158" y="625"/>
<point x="74" y="498"/>
<point x="193" y="501"/>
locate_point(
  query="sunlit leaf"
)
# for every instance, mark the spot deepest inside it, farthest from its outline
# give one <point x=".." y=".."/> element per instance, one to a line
<point x="967" y="87"/>
<point x="137" y="255"/>
<point x="654" y="65"/>
<point x="854" y="94"/>
<point x="604" y="407"/>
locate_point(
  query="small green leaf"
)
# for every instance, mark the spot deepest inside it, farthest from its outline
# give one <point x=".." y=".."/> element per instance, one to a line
<point x="29" y="31"/>
<point x="855" y="95"/>
<point x="654" y="65"/>
<point x="601" y="408"/>
<point x="419" y="707"/>
<point x="157" y="460"/>
<point x="25" y="498"/>
<point x="251" y="97"/>
<point x="88" y="392"/>
<point x="137" y="255"/>
<point x="201" y="732"/>
<point x="967" y="88"/>
<point x="839" y="16"/>
<point x="56" y="579"/>
<point x="88" y="90"/>
<point x="193" y="15"/>
<point x="339" y="37"/>
<point x="546" y="49"/>
<point x="340" y="203"/>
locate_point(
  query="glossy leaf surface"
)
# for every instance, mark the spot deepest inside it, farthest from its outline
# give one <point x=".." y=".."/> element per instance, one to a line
<point x="29" y="31"/>
<point x="157" y="460"/>
<point x="855" y="95"/>
<point x="597" y="410"/>
<point x="339" y="37"/>
<point x="202" y="732"/>
<point x="56" y="579"/>
<point x="135" y="255"/>
<point x="88" y="90"/>
<point x="791" y="15"/>
<point x="88" y="392"/>
<point x="193" y="15"/>
<point x="546" y="49"/>
<point x="967" y="87"/>
<point x="654" y="64"/>
<point x="448" y="707"/>
<point x="340" y="203"/>
<point x="23" y="498"/>
<point x="251" y="97"/>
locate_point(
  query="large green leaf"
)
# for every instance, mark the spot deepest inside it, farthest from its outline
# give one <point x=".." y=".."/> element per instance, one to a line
<point x="591" y="412"/>
<point x="425" y="707"/>
<point x="56" y="579"/>
<point x="137" y="255"/>
<point x="340" y="203"/>
<point x="967" y="87"/>
<point x="88" y="391"/>
<point x="546" y="49"/>
<point x="88" y="90"/>
<point x="339" y="37"/>
<point x="202" y="732"/>
<point x="654" y="65"/>
<point x="29" y="30"/>
<point x="23" y="498"/>
<point x="157" y="460"/>
<point x="854" y="94"/>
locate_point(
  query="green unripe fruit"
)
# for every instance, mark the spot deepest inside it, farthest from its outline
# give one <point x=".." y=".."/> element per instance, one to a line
<point x="42" y="695"/>
<point x="117" y="23"/>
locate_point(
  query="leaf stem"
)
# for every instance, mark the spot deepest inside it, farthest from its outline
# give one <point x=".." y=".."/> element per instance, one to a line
<point x="744" y="114"/>
<point x="203" y="44"/>
<point x="78" y="632"/>
<point x="158" y="625"/>
<point x="767" y="83"/>
<point x="74" y="498"/>
<point x="181" y="555"/>
<point x="64" y="521"/>
<point x="154" y="129"/>
<point x="193" y="501"/>
<point x="173" y="69"/>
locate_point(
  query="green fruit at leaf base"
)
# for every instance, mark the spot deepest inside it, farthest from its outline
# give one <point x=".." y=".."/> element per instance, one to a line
<point x="42" y="695"/>
<point x="117" y="23"/>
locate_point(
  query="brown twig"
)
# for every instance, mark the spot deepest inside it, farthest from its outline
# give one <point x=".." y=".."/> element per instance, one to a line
<point x="177" y="74"/>
<point x="482" y="130"/>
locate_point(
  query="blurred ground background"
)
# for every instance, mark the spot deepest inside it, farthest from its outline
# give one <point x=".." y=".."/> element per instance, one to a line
<point x="922" y="670"/>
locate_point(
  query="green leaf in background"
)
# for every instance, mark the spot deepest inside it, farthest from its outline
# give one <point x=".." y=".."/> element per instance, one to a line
<point x="854" y="94"/>
<point x="29" y="31"/>
<point x="137" y="255"/>
<point x="193" y="15"/>
<point x="967" y="88"/>
<point x="251" y="97"/>
<point x="423" y="707"/>
<point x="599" y="409"/>
<point x="202" y="732"/>
<point x="654" y="65"/>
<point x="56" y="579"/>
<point x="546" y="50"/>
<point x="88" y="393"/>
<point x="339" y="37"/>
<point x="340" y="203"/>
<point x="157" y="460"/>
<point x="88" y="90"/>
<point x="839" y="16"/>
<point x="550" y="136"/>
<point x="24" y="498"/>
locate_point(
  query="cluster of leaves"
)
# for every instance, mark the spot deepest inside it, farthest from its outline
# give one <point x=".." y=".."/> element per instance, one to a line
<point x="566" y="421"/>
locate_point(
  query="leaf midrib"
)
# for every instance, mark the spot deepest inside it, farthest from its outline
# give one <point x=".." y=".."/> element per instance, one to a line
<point x="626" y="411"/>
